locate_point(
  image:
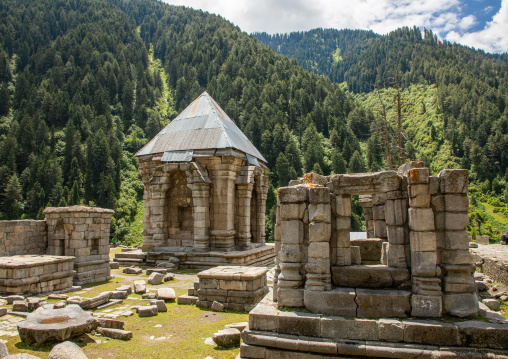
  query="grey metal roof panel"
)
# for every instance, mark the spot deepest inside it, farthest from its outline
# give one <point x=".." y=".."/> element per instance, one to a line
<point x="202" y="125"/>
<point x="177" y="156"/>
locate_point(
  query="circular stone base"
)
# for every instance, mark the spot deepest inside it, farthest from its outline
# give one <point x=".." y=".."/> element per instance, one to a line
<point x="47" y="323"/>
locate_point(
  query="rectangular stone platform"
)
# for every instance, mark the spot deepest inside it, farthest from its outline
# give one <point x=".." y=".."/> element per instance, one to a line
<point x="260" y="256"/>
<point x="35" y="274"/>
<point x="237" y="288"/>
<point x="274" y="333"/>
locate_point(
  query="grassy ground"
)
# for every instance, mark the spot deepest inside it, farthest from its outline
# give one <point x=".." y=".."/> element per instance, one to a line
<point x="185" y="327"/>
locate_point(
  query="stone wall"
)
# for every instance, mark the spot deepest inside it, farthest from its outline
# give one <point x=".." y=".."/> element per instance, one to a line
<point x="81" y="232"/>
<point x="22" y="237"/>
<point x="426" y="267"/>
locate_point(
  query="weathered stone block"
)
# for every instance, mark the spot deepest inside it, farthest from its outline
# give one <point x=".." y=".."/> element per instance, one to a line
<point x="423" y="242"/>
<point x="421" y="219"/>
<point x="461" y="304"/>
<point x="289" y="211"/>
<point x="367" y="183"/>
<point x="291" y="253"/>
<point x="418" y="175"/>
<point x="426" y="306"/>
<point x="338" y="301"/>
<point x="161" y="307"/>
<point x="155" y="278"/>
<point x="356" y="256"/>
<point x="293" y="194"/>
<point x="341" y="206"/>
<point x="380" y="229"/>
<point x="382" y="303"/>
<point x="390" y="330"/>
<point x="319" y="195"/>
<point x="456" y="257"/>
<point x="363" y="329"/>
<point x="396" y="212"/>
<point x="398" y="255"/>
<point x="147" y="311"/>
<point x="343" y="256"/>
<point x="431" y="332"/>
<point x="334" y="328"/>
<point x="454" y="181"/>
<point x="320" y="212"/>
<point x="292" y="232"/>
<point x="456" y="203"/>
<point x="372" y="276"/>
<point x="456" y="240"/>
<point x="481" y="334"/>
<point x="378" y="212"/>
<point x="319" y="232"/>
<point x="299" y="323"/>
<point x="420" y="201"/>
<point x="319" y="250"/>
<point x="263" y="317"/>
<point x="423" y="260"/>
<point x="318" y="265"/>
<point x="290" y="297"/>
<point x="456" y="221"/>
<point x="343" y="223"/>
<point x="370" y="248"/>
<point x="397" y="234"/>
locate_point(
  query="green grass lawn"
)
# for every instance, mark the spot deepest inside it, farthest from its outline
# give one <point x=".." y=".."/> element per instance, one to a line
<point x="185" y="327"/>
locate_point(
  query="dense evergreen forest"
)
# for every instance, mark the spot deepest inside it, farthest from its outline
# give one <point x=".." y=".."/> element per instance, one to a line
<point x="453" y="101"/>
<point x="85" y="83"/>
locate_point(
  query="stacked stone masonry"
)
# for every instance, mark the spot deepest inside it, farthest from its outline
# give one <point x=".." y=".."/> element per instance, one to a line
<point x="35" y="274"/>
<point x="425" y="267"/>
<point x="76" y="237"/>
<point x="236" y="288"/>
<point x="273" y="333"/>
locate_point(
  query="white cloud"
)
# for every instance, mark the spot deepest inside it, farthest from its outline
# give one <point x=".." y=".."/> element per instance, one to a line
<point x="381" y="16"/>
<point x="493" y="38"/>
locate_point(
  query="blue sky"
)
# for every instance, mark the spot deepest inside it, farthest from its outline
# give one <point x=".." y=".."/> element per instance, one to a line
<point x="482" y="24"/>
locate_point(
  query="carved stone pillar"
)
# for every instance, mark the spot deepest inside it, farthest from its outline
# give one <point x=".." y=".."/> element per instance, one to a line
<point x="223" y="176"/>
<point x="201" y="215"/>
<point x="244" y="196"/>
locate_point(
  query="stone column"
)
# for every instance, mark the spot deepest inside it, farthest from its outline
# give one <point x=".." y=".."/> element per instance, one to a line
<point x="243" y="197"/>
<point x="223" y="171"/>
<point x="292" y="255"/>
<point x="426" y="300"/>
<point x="459" y="288"/>
<point x="318" y="252"/>
<point x="201" y="215"/>
<point x="341" y="226"/>
<point x="366" y="203"/>
<point x="397" y="250"/>
<point x="378" y="215"/>
<point x="261" y="210"/>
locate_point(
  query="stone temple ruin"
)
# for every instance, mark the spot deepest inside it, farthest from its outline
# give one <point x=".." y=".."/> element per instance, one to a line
<point x="204" y="193"/>
<point x="69" y="247"/>
<point x="359" y="308"/>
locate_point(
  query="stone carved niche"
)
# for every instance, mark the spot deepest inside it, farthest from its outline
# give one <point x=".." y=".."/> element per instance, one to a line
<point x="178" y="215"/>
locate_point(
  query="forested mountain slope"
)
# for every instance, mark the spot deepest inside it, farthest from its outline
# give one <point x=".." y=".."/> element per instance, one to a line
<point x="84" y="84"/>
<point x="454" y="98"/>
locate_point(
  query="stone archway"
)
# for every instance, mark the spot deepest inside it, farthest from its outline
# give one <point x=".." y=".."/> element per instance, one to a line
<point x="178" y="211"/>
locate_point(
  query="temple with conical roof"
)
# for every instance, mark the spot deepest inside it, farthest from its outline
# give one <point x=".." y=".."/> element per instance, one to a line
<point x="204" y="186"/>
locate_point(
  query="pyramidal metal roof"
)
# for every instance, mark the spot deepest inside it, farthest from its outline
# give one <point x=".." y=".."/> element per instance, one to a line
<point x="202" y="125"/>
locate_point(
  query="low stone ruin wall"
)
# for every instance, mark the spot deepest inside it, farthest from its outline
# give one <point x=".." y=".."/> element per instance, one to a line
<point x="236" y="288"/>
<point x="23" y="237"/>
<point x="35" y="274"/>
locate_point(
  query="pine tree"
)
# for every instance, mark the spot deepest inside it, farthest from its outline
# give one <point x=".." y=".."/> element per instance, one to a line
<point x="338" y="163"/>
<point x="356" y="164"/>
<point x="12" y="204"/>
<point x="283" y="170"/>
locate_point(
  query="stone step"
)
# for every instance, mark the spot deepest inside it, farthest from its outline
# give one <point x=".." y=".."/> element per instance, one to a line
<point x="138" y="255"/>
<point x="187" y="299"/>
<point x="191" y="291"/>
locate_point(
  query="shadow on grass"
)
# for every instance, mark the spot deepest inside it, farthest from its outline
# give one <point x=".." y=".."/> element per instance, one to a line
<point x="81" y="341"/>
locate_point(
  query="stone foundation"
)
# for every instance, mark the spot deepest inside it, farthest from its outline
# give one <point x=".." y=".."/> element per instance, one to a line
<point x="278" y="334"/>
<point x="260" y="256"/>
<point x="34" y="274"/>
<point x="493" y="261"/>
<point x="235" y="288"/>
<point x="23" y="237"/>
